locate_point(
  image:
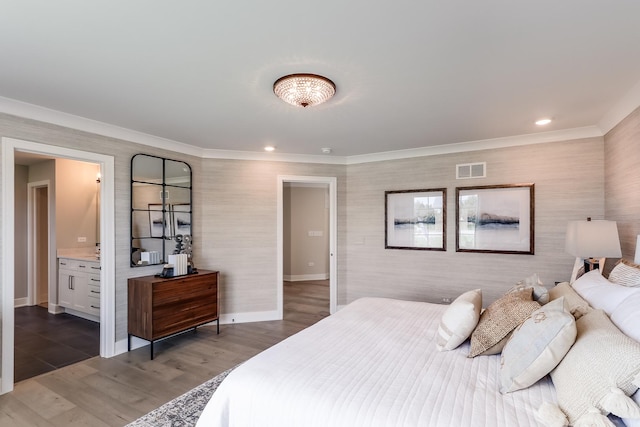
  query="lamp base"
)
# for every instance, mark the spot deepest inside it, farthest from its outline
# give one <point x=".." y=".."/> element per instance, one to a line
<point x="591" y="264"/>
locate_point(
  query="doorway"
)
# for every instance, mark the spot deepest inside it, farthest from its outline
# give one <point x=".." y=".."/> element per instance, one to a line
<point x="10" y="147"/>
<point x="38" y="243"/>
<point x="331" y="184"/>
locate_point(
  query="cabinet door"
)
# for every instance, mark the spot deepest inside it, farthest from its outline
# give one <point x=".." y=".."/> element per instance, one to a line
<point x="65" y="290"/>
<point x="80" y="285"/>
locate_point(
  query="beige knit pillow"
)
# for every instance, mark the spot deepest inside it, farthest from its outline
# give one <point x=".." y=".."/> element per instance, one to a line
<point x="500" y="318"/>
<point x="598" y="372"/>
<point x="574" y="302"/>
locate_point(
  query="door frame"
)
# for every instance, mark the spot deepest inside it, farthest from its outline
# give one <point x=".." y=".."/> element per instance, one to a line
<point x="32" y="238"/>
<point x="107" y="252"/>
<point x="333" y="236"/>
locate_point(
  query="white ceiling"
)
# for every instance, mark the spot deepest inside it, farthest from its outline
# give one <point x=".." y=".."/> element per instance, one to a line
<point x="409" y="74"/>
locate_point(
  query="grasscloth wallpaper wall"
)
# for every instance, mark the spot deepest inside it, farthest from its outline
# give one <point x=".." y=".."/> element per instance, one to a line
<point x="569" y="185"/>
<point x="622" y="180"/>
<point x="235" y="217"/>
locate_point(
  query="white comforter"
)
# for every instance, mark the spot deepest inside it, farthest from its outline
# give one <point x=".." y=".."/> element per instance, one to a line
<point x="374" y="363"/>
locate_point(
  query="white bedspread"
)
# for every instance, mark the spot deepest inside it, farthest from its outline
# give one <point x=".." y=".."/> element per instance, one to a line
<point x="374" y="363"/>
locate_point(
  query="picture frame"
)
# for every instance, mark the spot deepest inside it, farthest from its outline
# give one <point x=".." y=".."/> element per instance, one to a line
<point x="159" y="221"/>
<point x="496" y="219"/>
<point x="416" y="219"/>
<point x="181" y="218"/>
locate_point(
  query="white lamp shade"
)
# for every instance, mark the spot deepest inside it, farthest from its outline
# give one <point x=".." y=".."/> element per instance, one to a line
<point x="593" y="239"/>
<point x="637" y="257"/>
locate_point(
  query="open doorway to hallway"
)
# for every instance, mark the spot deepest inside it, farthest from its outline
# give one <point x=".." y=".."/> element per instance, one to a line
<point x="306" y="254"/>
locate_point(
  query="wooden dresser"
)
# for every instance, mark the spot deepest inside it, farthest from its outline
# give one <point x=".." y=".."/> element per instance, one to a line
<point x="161" y="307"/>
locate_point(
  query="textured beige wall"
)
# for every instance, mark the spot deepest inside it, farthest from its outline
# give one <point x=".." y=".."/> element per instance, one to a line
<point x="622" y="180"/>
<point x="239" y="227"/>
<point x="569" y="185"/>
<point x="306" y="211"/>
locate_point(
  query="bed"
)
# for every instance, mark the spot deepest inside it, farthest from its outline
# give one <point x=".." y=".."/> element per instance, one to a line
<point x="374" y="363"/>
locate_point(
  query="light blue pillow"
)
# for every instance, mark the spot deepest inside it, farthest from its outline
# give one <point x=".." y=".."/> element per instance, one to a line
<point x="537" y="346"/>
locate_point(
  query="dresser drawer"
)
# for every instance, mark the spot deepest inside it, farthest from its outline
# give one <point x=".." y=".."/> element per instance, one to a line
<point x="179" y="291"/>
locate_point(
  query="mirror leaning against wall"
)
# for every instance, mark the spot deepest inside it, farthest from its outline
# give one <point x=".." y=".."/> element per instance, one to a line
<point x="161" y="213"/>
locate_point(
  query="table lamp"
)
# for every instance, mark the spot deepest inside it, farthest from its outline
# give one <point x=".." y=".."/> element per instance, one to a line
<point x="592" y="240"/>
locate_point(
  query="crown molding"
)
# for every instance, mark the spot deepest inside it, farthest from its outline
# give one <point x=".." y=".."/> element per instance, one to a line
<point x="625" y="106"/>
<point x="273" y="157"/>
<point x="43" y="114"/>
<point x="483" y="144"/>
<point x="35" y="112"/>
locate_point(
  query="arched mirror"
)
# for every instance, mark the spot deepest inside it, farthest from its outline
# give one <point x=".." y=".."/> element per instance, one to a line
<point x="161" y="212"/>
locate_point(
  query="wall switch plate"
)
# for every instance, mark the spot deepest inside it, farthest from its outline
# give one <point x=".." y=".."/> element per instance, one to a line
<point x="82" y="239"/>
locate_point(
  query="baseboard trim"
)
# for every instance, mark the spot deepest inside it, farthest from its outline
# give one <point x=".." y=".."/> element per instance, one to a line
<point x="20" y="302"/>
<point x="305" y="277"/>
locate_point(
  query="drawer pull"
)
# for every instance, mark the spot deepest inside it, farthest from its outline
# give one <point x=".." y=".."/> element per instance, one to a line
<point x="82" y="266"/>
<point x="96" y="268"/>
<point x="95" y="292"/>
<point x="95" y="280"/>
<point x="93" y="306"/>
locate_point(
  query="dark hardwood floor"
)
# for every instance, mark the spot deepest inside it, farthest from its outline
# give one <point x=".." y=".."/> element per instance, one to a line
<point x="45" y="342"/>
<point x="118" y="390"/>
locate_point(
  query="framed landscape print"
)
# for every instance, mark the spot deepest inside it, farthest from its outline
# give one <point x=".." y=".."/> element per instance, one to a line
<point x="495" y="219"/>
<point x="416" y="219"/>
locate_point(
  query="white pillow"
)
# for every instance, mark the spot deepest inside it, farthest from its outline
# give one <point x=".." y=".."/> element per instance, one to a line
<point x="459" y="321"/>
<point x="625" y="273"/>
<point x="626" y="316"/>
<point x="601" y="293"/>
<point x="537" y="346"/>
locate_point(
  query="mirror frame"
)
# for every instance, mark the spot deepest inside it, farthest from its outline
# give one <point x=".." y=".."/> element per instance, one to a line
<point x="167" y="214"/>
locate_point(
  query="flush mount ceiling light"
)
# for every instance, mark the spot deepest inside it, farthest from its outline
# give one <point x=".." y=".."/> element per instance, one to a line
<point x="304" y="90"/>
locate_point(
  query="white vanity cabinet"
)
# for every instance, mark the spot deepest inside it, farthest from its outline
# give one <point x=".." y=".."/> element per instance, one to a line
<point x="79" y="287"/>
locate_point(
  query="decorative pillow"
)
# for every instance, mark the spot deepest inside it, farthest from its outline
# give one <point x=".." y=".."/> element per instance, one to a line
<point x="626" y="316"/>
<point x="574" y="302"/>
<point x="601" y="293"/>
<point x="459" y="321"/>
<point x="598" y="373"/>
<point x="540" y="293"/>
<point x="537" y="346"/>
<point x="625" y="273"/>
<point x="500" y="318"/>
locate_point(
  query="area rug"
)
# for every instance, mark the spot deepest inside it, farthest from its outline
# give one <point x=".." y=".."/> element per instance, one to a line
<point x="183" y="411"/>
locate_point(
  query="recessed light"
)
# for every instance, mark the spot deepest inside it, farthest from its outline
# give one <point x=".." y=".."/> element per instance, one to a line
<point x="269" y="148"/>
<point x="543" y="122"/>
<point x="326" y="150"/>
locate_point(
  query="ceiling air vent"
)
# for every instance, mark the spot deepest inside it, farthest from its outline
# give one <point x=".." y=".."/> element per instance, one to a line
<point x="471" y="170"/>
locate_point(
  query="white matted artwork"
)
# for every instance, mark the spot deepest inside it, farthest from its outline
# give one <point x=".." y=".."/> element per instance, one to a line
<point x="416" y="219"/>
<point x="495" y="219"/>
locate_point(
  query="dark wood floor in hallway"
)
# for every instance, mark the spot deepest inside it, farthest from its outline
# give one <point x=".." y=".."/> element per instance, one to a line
<point x="116" y="391"/>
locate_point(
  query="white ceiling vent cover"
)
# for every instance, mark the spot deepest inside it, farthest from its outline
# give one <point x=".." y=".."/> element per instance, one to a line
<point x="471" y="170"/>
